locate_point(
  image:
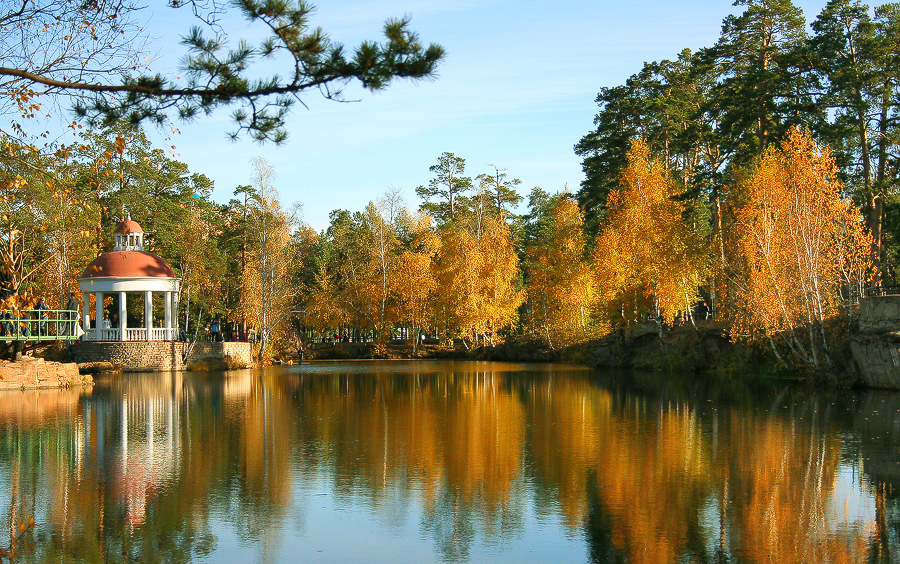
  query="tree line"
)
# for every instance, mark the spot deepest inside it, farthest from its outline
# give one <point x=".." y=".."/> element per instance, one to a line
<point x="755" y="175"/>
<point x="462" y="266"/>
<point x="780" y="143"/>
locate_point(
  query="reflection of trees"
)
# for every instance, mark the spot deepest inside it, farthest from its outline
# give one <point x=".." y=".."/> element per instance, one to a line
<point x="260" y="448"/>
<point x="157" y="507"/>
<point x="457" y="444"/>
<point x="566" y="418"/>
<point x="781" y="476"/>
<point x="638" y="467"/>
<point x="646" y="480"/>
<point x="664" y="483"/>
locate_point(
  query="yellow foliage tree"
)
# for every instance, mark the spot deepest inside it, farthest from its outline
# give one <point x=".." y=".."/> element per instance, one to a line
<point x="382" y="246"/>
<point x="560" y="283"/>
<point x="455" y="269"/>
<point x="267" y="288"/>
<point x="413" y="283"/>
<point x="648" y="259"/>
<point x="497" y="297"/>
<point x="800" y="243"/>
<point x="476" y="275"/>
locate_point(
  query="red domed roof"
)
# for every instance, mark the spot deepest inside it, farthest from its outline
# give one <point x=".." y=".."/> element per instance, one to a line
<point x="128" y="264"/>
<point x="128" y="226"/>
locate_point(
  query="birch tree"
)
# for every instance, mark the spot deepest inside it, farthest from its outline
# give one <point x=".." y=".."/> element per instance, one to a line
<point x="648" y="260"/>
<point x="413" y="283"/>
<point x="560" y="283"/>
<point x="497" y="294"/>
<point x="267" y="289"/>
<point x="383" y="251"/>
<point x="796" y="235"/>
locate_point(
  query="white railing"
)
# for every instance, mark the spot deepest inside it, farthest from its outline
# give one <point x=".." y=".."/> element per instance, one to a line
<point x="109" y="335"/>
<point x="132" y="334"/>
<point x="162" y="334"/>
<point x="101" y="335"/>
<point x="135" y="334"/>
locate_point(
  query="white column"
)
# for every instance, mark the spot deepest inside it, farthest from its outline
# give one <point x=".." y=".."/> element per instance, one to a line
<point x="168" y="315"/>
<point x="148" y="313"/>
<point x="122" y="317"/>
<point x="98" y="314"/>
<point x="86" y="312"/>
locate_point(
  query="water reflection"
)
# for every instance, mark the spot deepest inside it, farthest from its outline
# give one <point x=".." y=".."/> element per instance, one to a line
<point x="453" y="462"/>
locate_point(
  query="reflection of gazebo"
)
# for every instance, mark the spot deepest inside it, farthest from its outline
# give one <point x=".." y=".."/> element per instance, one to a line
<point x="128" y="269"/>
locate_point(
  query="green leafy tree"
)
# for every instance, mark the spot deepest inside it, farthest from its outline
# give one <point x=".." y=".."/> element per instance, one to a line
<point x="24" y="201"/>
<point x="670" y="105"/>
<point x="538" y="222"/>
<point x="501" y="189"/>
<point x="359" y="254"/>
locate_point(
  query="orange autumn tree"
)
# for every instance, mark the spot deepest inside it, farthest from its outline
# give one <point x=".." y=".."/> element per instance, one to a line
<point x="455" y="270"/>
<point x="497" y="295"/>
<point x="800" y="245"/>
<point x="413" y="283"/>
<point x="560" y="282"/>
<point x="476" y="271"/>
<point x="648" y="259"/>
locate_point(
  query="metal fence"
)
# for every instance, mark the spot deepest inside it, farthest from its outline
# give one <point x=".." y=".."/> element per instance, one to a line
<point x="882" y="291"/>
<point x="39" y="325"/>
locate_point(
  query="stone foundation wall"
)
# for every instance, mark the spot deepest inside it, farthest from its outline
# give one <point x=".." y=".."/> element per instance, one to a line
<point x="878" y="359"/>
<point x="240" y="353"/>
<point x="876" y="349"/>
<point x="879" y="314"/>
<point x="136" y="356"/>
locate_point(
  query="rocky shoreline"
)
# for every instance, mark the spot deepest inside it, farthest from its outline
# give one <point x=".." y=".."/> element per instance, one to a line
<point x="705" y="350"/>
<point x="34" y="372"/>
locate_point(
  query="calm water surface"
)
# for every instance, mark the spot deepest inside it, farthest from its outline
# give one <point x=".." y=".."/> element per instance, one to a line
<point x="393" y="462"/>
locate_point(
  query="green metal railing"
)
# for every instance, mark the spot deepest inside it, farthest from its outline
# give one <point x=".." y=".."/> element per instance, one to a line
<point x="39" y="325"/>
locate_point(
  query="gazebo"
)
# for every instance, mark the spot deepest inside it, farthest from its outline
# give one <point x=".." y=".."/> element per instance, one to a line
<point x="128" y="269"/>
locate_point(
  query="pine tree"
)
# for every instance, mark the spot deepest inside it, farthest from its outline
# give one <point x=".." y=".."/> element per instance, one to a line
<point x="446" y="188"/>
<point x="763" y="89"/>
<point x="90" y="35"/>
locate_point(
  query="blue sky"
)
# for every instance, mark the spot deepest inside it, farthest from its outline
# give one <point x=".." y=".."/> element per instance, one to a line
<point x="516" y="90"/>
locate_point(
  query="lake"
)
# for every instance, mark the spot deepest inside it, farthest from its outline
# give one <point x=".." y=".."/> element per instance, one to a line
<point x="449" y="461"/>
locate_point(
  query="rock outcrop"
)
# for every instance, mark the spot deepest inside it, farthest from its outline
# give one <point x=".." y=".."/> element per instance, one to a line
<point x="32" y="372"/>
<point x="876" y="348"/>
